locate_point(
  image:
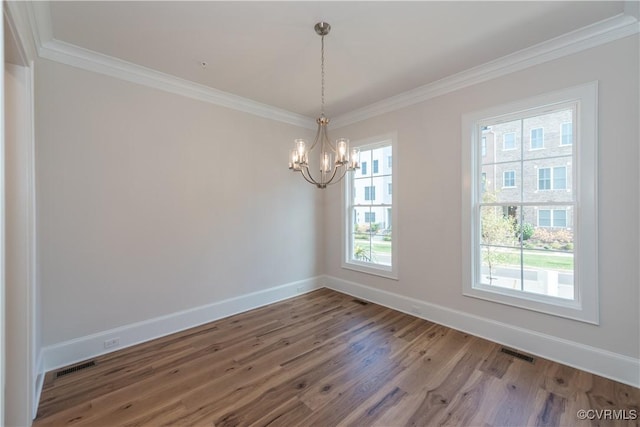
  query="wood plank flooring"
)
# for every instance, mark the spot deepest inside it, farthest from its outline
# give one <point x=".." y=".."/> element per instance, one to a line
<point x="326" y="359"/>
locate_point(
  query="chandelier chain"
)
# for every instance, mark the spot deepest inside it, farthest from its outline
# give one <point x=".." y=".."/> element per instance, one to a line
<point x="322" y="71"/>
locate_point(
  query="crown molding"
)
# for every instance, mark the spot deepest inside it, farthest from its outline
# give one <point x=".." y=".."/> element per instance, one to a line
<point x="39" y="21"/>
<point x="21" y="24"/>
<point x="599" y="33"/>
<point x="86" y="59"/>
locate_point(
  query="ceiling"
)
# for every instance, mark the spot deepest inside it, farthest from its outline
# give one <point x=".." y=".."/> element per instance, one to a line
<point x="269" y="52"/>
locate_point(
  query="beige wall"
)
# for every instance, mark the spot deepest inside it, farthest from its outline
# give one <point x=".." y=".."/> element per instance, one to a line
<point x="150" y="203"/>
<point x="429" y="195"/>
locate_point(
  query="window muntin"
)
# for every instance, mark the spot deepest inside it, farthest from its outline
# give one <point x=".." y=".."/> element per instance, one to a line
<point x="567" y="286"/>
<point x="370" y="242"/>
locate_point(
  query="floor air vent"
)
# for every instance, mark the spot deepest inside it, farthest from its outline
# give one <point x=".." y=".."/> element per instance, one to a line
<point x="514" y="353"/>
<point x="76" y="368"/>
<point x="359" y="301"/>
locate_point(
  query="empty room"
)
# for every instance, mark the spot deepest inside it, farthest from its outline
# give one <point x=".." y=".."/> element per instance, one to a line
<point x="302" y="213"/>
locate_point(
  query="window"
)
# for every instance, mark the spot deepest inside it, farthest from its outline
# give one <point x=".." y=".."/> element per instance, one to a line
<point x="375" y="166"/>
<point x="509" y="141"/>
<point x="552" y="218"/>
<point x="544" y="218"/>
<point x="363" y="168"/>
<point x="537" y="138"/>
<point x="567" y="134"/>
<point x="559" y="218"/>
<point x="484" y="146"/>
<point x="552" y="181"/>
<point x="508" y="179"/>
<point x="369" y="244"/>
<point x="370" y="193"/>
<point x="544" y="179"/>
<point x="560" y="178"/>
<point x="520" y="247"/>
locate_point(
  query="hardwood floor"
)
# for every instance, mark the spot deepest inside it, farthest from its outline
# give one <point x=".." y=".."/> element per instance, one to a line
<point x="326" y="359"/>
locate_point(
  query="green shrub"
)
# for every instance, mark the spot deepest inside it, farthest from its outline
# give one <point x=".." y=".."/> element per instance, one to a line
<point x="525" y="232"/>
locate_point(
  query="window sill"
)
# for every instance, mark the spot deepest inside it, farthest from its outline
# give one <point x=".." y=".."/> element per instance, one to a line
<point x="381" y="271"/>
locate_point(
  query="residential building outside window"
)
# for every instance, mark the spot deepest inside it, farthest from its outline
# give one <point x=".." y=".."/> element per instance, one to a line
<point x="369" y="215"/>
<point x="522" y="238"/>
<point x="363" y="168"/>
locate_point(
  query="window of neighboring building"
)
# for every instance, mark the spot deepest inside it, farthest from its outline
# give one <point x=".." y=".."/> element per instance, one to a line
<point x="370" y="193"/>
<point x="363" y="168"/>
<point x="509" y="179"/>
<point x="509" y="141"/>
<point x="552" y="178"/>
<point x="544" y="179"/>
<point x="389" y="161"/>
<point x="544" y="218"/>
<point x="552" y="218"/>
<point x="520" y="247"/>
<point x="369" y="238"/>
<point x="537" y="138"/>
<point x="560" y="178"/>
<point x="484" y="146"/>
<point x="567" y="134"/>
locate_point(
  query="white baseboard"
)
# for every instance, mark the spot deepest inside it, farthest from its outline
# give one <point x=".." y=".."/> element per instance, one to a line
<point x="87" y="347"/>
<point x="605" y="363"/>
<point x="39" y="383"/>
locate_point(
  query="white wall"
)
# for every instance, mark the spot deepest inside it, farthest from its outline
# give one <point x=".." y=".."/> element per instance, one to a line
<point x="429" y="196"/>
<point x="150" y="203"/>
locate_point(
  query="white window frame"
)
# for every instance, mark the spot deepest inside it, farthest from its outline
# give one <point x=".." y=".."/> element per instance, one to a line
<point x="585" y="306"/>
<point x="504" y="179"/>
<point x="389" y="272"/>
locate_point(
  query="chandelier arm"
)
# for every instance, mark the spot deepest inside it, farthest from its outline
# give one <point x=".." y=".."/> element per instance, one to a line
<point x="333" y="175"/>
<point x="310" y="179"/>
<point x="328" y="142"/>
<point x="344" y="172"/>
<point x="316" y="139"/>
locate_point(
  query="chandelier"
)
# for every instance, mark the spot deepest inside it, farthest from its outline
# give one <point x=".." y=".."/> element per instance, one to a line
<point x="335" y="160"/>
